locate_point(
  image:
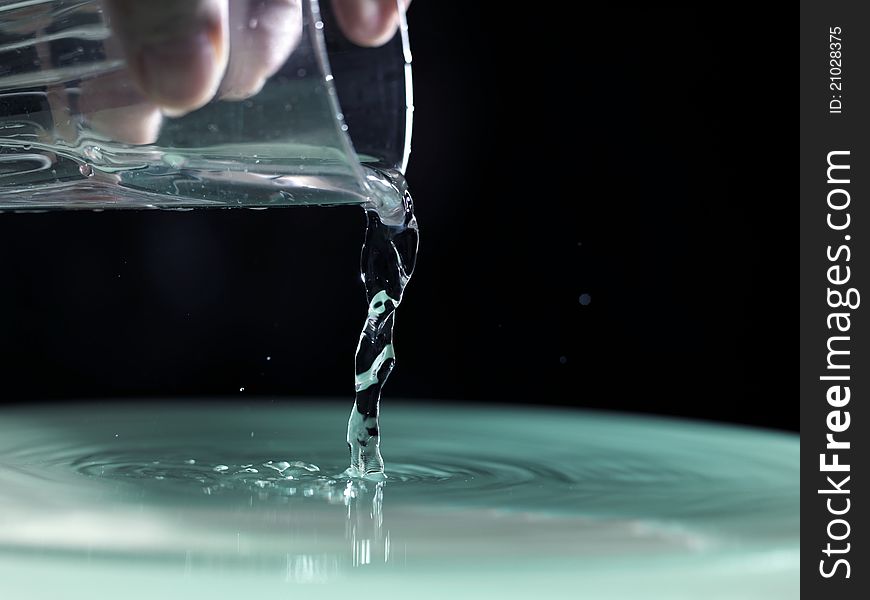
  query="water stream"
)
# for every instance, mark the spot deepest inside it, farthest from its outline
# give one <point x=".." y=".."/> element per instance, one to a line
<point x="387" y="263"/>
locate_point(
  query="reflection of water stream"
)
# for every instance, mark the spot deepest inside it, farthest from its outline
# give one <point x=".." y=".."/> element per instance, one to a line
<point x="368" y="542"/>
<point x="365" y="523"/>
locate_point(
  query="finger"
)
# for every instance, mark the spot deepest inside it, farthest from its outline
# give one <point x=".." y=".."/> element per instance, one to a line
<point x="113" y="106"/>
<point x="263" y="33"/>
<point x="368" y="22"/>
<point x="176" y="50"/>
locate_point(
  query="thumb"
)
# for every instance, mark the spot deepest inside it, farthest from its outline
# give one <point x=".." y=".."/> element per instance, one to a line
<point x="176" y="50"/>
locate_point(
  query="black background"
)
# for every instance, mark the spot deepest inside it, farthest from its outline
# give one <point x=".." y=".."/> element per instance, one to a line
<point x="626" y="153"/>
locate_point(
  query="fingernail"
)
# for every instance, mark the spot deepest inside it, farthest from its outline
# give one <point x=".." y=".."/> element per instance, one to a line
<point x="182" y="74"/>
<point x="243" y="90"/>
<point x="369" y="16"/>
<point x="360" y="20"/>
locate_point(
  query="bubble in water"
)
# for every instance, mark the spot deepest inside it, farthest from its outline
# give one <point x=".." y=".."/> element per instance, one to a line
<point x="280" y="466"/>
<point x="220" y="468"/>
<point x="86" y="170"/>
<point x="585" y="299"/>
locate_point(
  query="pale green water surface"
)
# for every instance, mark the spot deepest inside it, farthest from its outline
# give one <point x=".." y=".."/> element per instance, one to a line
<point x="226" y="500"/>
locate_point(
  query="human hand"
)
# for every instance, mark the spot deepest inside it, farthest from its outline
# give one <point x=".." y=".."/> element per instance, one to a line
<point x="182" y="53"/>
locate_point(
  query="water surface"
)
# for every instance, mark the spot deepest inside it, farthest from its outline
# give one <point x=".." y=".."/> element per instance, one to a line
<point x="228" y="500"/>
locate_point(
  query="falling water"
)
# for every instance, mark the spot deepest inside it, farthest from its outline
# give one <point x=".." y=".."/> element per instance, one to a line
<point x="388" y="256"/>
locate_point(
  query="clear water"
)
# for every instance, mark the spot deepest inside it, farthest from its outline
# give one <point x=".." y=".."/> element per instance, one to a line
<point x="224" y="501"/>
<point x="387" y="263"/>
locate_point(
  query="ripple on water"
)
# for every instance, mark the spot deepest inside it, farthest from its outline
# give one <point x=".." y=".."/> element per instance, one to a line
<point x="286" y="477"/>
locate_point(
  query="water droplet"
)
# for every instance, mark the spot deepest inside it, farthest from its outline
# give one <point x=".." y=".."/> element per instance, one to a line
<point x="268" y="358"/>
<point x="585" y="299"/>
<point x="563" y="360"/>
<point x="174" y="160"/>
<point x="190" y="461"/>
<point x="92" y="152"/>
<point x="253" y="23"/>
<point x="302" y="465"/>
<point x="220" y="468"/>
<point x="301" y="72"/>
<point x="212" y="127"/>
<point x="318" y="25"/>
<point x="86" y="170"/>
<point x="241" y="389"/>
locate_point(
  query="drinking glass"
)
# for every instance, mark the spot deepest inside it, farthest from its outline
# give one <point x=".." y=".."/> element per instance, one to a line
<point x="324" y="129"/>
